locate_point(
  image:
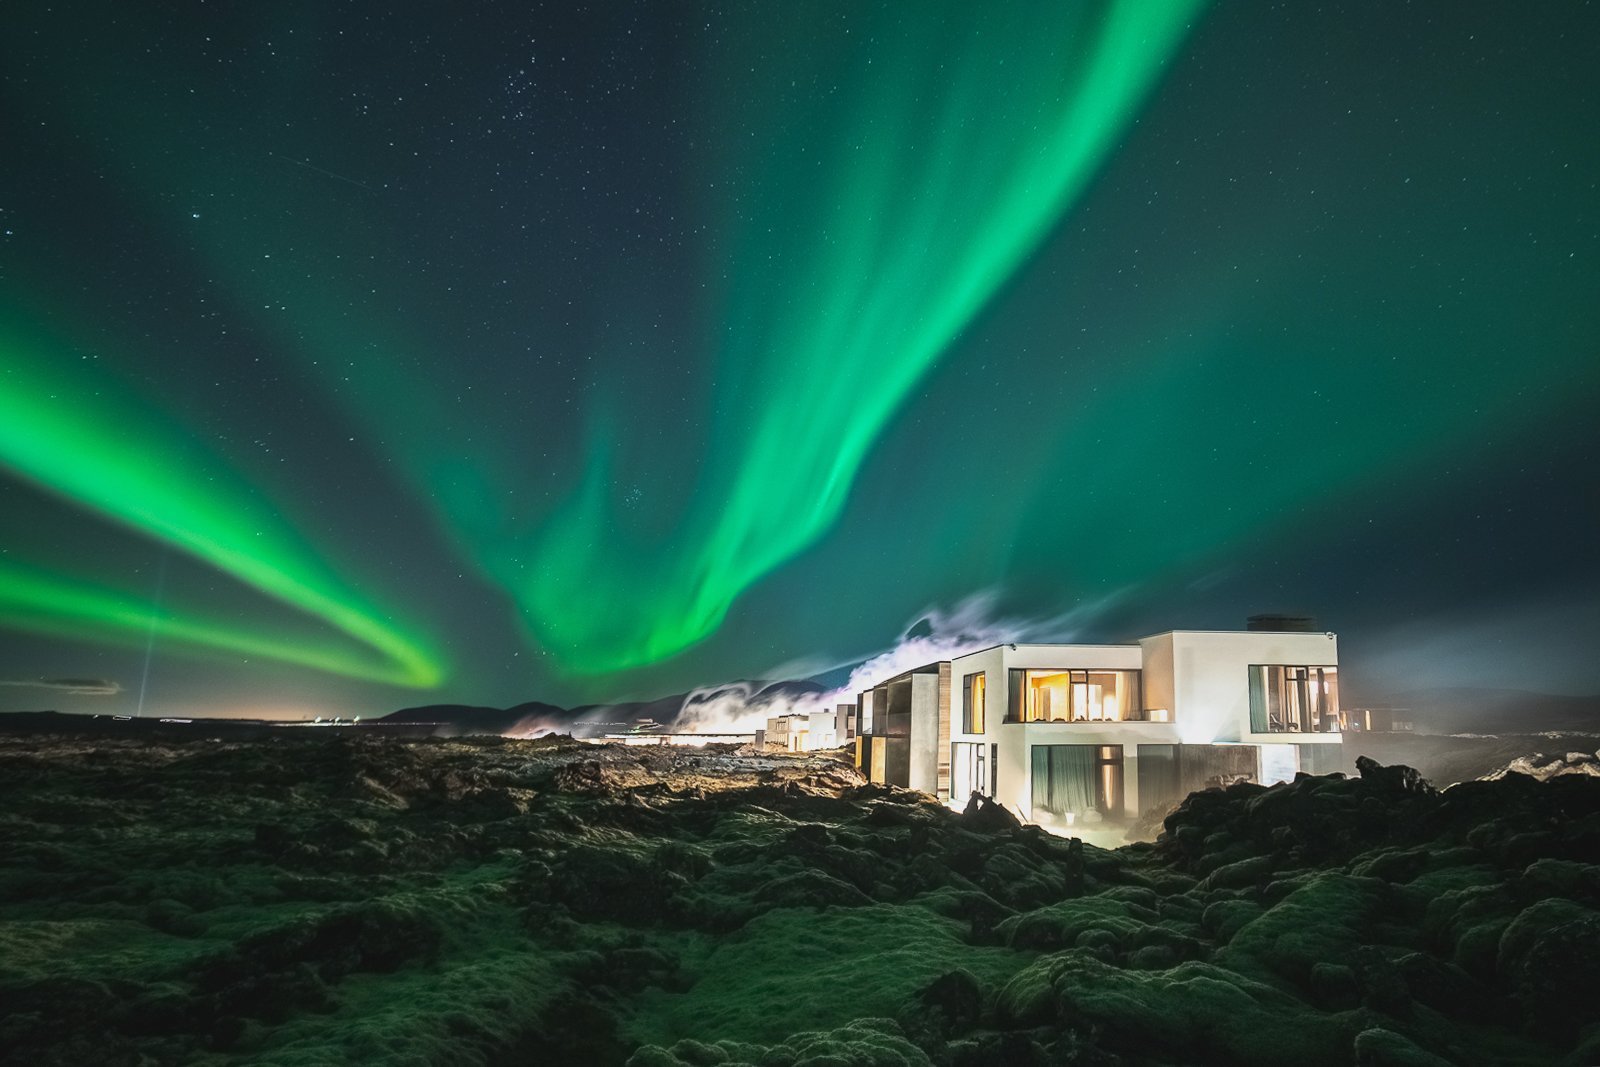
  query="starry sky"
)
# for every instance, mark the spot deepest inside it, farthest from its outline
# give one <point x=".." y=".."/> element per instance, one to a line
<point x="355" y="356"/>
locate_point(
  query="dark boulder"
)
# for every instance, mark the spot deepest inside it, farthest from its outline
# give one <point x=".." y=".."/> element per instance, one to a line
<point x="950" y="1004"/>
<point x="1395" y="779"/>
<point x="984" y="816"/>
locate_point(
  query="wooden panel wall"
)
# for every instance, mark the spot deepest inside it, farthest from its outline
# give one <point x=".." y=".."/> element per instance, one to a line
<point x="944" y="730"/>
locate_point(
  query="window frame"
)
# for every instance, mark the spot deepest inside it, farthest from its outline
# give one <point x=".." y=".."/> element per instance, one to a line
<point x="1018" y="705"/>
<point x="974" y="764"/>
<point x="1106" y="785"/>
<point x="1317" y="709"/>
<point x="974" y="702"/>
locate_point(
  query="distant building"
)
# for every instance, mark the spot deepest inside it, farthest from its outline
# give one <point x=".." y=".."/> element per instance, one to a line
<point x="1380" y="720"/>
<point x="808" y="731"/>
<point x="1070" y="736"/>
<point x="844" y="724"/>
<point x="693" y="740"/>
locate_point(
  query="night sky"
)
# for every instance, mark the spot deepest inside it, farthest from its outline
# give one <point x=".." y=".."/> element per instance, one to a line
<point x="355" y="356"/>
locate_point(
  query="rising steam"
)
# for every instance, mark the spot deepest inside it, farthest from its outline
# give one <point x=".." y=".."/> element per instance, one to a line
<point x="938" y="634"/>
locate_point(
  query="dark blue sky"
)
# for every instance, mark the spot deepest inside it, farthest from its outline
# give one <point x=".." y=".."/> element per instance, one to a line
<point x="354" y="359"/>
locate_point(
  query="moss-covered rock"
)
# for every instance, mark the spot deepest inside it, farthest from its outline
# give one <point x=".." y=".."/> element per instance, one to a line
<point x="444" y="903"/>
<point x="862" y="1043"/>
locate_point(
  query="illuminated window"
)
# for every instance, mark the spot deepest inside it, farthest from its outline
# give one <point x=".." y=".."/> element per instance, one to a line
<point x="1293" y="699"/>
<point x="969" y="770"/>
<point x="1053" y="695"/>
<point x="1077" y="782"/>
<point x="972" y="697"/>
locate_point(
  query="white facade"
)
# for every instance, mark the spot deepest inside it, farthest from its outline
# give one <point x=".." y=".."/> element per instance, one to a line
<point x="1203" y="677"/>
<point x="1069" y="736"/>
<point x="1008" y="775"/>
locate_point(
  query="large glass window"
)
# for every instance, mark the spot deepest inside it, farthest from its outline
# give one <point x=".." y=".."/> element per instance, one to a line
<point x="969" y="770"/>
<point x="973" y="691"/>
<point x="1077" y="782"/>
<point x="1054" y="695"/>
<point x="1292" y="699"/>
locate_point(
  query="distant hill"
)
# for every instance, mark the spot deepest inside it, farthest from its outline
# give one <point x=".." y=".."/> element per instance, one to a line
<point x="473" y="719"/>
<point x="661" y="710"/>
<point x="593" y="719"/>
<point x="455" y="720"/>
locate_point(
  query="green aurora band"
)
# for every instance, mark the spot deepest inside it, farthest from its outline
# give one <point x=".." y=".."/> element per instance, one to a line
<point x="82" y="439"/>
<point x="871" y="235"/>
<point x="72" y="609"/>
<point x="965" y="135"/>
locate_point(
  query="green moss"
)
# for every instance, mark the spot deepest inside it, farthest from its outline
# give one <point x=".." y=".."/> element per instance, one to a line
<point x="428" y="933"/>
<point x="863" y="1043"/>
<point x="1226" y="918"/>
<point x="89" y="948"/>
<point x="792" y="968"/>
<point x="454" y="1015"/>
<point x="1385" y="1048"/>
<point x="1061" y="925"/>
<point x="1321" y="922"/>
<point x="1210" y="1013"/>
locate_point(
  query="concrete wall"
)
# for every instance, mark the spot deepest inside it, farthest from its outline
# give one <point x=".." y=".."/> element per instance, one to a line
<point x="1158" y="689"/>
<point x="925" y="757"/>
<point x="1210" y="682"/>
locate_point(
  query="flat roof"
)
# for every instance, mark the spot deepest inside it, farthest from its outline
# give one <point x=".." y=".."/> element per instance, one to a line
<point x="924" y="669"/>
<point x="934" y="666"/>
<point x="1134" y="644"/>
<point x="1050" y="644"/>
<point x="1268" y="633"/>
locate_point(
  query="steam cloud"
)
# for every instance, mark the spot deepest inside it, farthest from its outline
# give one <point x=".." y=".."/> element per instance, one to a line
<point x="938" y="634"/>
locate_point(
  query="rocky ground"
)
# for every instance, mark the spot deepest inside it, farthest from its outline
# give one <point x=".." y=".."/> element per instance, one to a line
<point x="332" y="900"/>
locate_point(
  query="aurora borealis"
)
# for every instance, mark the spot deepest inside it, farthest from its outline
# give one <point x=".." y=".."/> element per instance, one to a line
<point x="838" y="301"/>
<point x="81" y="439"/>
<point x="609" y="351"/>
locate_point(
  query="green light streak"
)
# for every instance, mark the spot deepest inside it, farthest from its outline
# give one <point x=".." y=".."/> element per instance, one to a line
<point x="862" y="235"/>
<point x="76" y="437"/>
<point x="63" y="607"/>
<point x="940" y="171"/>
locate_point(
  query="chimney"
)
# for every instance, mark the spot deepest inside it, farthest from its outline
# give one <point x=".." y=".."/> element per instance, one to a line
<point x="1281" y="624"/>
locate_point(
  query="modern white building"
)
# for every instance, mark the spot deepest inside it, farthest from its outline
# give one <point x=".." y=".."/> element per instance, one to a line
<point x="804" y="731"/>
<point x="1079" y="736"/>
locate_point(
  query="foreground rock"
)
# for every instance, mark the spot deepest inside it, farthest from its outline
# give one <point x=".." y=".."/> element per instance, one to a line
<point x="322" y="900"/>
